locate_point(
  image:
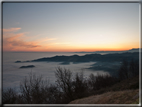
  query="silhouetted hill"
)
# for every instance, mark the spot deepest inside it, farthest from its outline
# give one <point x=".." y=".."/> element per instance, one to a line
<point x="89" y="58"/>
<point x="28" y="66"/>
<point x="131" y="50"/>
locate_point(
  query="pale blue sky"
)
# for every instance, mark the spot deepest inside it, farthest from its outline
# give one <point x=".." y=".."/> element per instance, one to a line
<point x="71" y="26"/>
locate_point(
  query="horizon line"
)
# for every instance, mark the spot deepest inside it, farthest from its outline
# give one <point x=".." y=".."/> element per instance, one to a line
<point x="77" y="51"/>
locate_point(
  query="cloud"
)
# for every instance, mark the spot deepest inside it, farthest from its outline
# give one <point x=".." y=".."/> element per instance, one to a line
<point x="12" y="37"/>
<point x="62" y="43"/>
<point x="21" y="43"/>
<point x="13" y="41"/>
<point x="47" y="39"/>
<point x="11" y="30"/>
<point x="51" y="39"/>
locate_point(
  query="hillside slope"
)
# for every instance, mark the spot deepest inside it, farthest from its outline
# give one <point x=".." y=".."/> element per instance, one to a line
<point x="123" y="92"/>
<point x="114" y="97"/>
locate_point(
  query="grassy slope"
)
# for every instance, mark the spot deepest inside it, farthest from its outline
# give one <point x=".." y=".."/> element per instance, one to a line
<point x="124" y="92"/>
<point x="114" y="97"/>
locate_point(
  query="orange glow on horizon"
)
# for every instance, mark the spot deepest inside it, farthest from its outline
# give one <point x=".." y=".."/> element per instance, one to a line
<point x="18" y="42"/>
<point x="68" y="50"/>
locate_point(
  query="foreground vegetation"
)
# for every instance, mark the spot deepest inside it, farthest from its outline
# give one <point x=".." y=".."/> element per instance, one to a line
<point x="68" y="87"/>
<point x="111" y="97"/>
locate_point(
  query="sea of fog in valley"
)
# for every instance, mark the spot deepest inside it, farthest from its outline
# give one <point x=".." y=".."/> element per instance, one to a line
<point x="12" y="74"/>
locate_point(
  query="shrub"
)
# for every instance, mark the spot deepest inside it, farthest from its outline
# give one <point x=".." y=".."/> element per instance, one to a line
<point x="35" y="90"/>
<point x="64" y="81"/>
<point x="80" y="86"/>
<point x="101" y="81"/>
<point x="72" y="88"/>
<point x="9" y="96"/>
<point x="128" y="69"/>
<point x="123" y="70"/>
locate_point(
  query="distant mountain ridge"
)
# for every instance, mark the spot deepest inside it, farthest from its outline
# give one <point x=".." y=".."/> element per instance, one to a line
<point x="89" y="57"/>
<point x="131" y="50"/>
<point x="135" y="50"/>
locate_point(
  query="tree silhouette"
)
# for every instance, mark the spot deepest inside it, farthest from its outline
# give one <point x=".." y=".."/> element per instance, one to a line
<point x="123" y="70"/>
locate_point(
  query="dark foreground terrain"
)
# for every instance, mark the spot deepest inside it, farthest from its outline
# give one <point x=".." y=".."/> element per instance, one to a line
<point x="124" y="92"/>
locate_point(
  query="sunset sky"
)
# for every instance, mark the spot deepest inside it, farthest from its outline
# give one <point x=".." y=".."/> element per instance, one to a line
<point x="70" y="27"/>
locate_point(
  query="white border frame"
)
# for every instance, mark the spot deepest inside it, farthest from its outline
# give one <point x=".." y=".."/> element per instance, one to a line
<point x="92" y="1"/>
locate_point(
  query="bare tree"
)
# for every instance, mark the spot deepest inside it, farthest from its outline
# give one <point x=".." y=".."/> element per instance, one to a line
<point x="91" y="81"/>
<point x="9" y="96"/>
<point x="133" y="68"/>
<point x="34" y="89"/>
<point x="64" y="81"/>
<point x="80" y="86"/>
<point x="128" y="70"/>
<point x="123" y="70"/>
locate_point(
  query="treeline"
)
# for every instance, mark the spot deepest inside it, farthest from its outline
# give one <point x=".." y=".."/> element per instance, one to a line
<point x="128" y="69"/>
<point x="35" y="90"/>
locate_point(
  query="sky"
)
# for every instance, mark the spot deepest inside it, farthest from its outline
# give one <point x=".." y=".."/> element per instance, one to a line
<point x="70" y="27"/>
